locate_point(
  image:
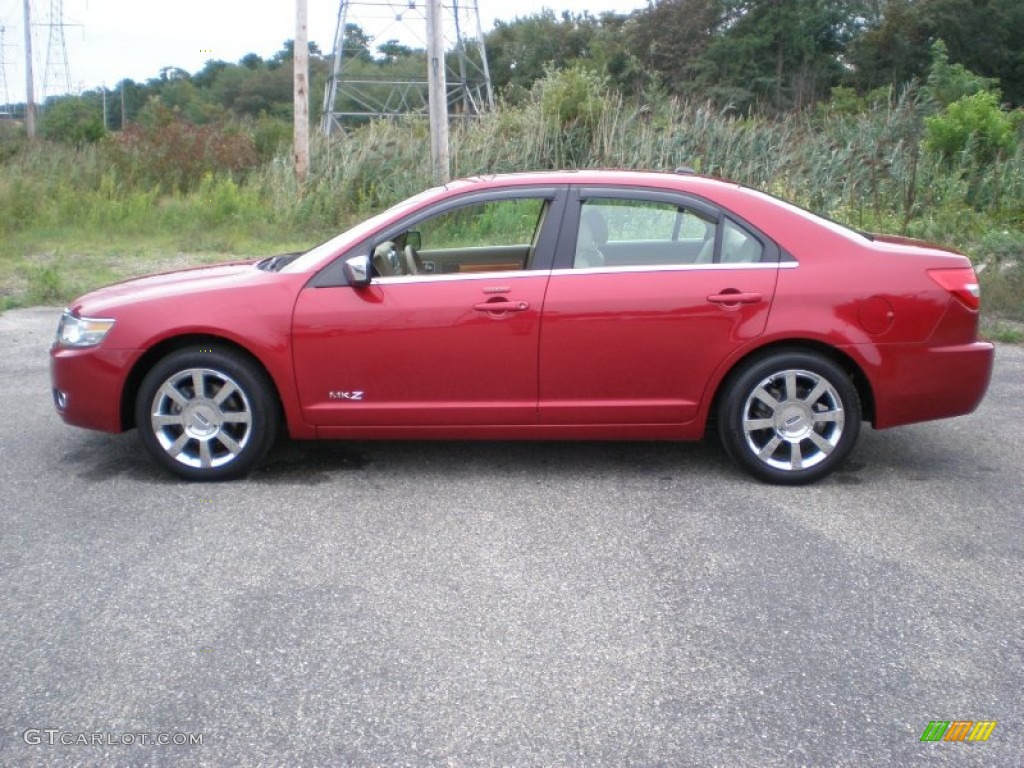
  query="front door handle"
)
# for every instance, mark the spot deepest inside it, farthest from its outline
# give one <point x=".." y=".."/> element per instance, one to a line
<point x="735" y="297"/>
<point x="502" y="305"/>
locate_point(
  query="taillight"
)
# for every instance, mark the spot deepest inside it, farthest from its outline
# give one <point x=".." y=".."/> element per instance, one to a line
<point x="961" y="282"/>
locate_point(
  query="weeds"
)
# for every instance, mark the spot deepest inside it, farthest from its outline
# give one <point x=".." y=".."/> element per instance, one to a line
<point x="184" y="188"/>
<point x="1002" y="333"/>
<point x="44" y="285"/>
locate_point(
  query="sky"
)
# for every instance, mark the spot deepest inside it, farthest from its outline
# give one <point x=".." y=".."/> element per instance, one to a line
<point x="110" y="40"/>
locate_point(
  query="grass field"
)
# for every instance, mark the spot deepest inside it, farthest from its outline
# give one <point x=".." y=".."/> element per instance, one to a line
<point x="72" y="219"/>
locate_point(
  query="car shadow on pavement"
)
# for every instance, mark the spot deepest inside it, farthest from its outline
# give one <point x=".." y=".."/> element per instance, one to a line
<point x="313" y="462"/>
<point x="97" y="458"/>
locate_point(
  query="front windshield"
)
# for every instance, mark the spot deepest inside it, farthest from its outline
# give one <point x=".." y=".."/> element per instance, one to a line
<point x="347" y="239"/>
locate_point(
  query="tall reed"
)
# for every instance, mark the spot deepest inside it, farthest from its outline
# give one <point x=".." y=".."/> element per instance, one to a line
<point x="868" y="169"/>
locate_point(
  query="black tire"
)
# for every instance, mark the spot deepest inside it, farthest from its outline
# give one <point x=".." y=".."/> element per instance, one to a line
<point x="789" y="417"/>
<point x="207" y="413"/>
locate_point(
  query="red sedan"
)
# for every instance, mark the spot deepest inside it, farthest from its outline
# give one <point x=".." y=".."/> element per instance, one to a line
<point x="572" y="305"/>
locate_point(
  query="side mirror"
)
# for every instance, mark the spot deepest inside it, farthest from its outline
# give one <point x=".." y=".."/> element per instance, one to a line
<point x="357" y="271"/>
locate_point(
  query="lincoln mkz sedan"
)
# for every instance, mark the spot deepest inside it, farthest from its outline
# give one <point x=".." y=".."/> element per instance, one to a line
<point x="591" y="305"/>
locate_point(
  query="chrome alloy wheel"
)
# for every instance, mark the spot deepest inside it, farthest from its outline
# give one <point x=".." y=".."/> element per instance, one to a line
<point x="793" y="420"/>
<point x="201" y="418"/>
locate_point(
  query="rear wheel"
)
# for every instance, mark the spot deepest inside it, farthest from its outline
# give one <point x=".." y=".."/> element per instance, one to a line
<point x="790" y="417"/>
<point x="207" y="413"/>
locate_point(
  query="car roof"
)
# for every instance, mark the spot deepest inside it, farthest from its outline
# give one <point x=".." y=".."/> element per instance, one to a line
<point x="598" y="177"/>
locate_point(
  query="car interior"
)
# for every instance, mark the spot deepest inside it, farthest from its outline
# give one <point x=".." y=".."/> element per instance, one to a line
<point x="495" y="236"/>
<point x="502" y="235"/>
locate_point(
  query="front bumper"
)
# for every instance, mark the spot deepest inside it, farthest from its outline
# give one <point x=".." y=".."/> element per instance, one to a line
<point x="87" y="385"/>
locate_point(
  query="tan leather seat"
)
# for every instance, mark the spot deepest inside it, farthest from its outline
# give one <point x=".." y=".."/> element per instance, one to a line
<point x="385" y="264"/>
<point x="738" y="247"/>
<point x="593" y="234"/>
<point x="707" y="251"/>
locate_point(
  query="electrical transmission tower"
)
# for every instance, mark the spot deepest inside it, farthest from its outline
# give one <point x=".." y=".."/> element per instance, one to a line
<point x="57" y="75"/>
<point x="354" y="92"/>
<point x="5" y="105"/>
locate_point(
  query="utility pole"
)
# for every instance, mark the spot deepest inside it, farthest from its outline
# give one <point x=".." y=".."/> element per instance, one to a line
<point x="30" y="91"/>
<point x="301" y="67"/>
<point x="437" y="92"/>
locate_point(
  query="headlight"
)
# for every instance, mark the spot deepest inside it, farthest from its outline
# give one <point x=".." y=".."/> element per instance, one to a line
<point x="82" y="331"/>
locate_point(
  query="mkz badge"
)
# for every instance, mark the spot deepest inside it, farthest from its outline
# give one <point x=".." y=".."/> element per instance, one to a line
<point x="356" y="395"/>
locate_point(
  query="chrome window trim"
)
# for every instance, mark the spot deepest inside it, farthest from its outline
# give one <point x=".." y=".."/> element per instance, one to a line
<point x="678" y="268"/>
<point x="446" y="277"/>
<point x="522" y="273"/>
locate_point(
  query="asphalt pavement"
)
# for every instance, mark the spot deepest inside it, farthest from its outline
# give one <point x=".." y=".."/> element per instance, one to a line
<point x="520" y="604"/>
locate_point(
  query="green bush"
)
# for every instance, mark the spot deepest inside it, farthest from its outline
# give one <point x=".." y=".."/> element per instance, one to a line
<point x="948" y="83"/>
<point x="271" y="136"/>
<point x="45" y="285"/>
<point x="21" y="200"/>
<point x="12" y="139"/>
<point x="73" y="120"/>
<point x="572" y="103"/>
<point x="974" y="128"/>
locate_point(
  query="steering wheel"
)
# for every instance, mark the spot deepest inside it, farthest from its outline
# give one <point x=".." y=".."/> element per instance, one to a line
<point x="413" y="262"/>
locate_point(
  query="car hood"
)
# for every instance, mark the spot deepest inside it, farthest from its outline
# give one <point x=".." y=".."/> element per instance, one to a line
<point x="167" y="285"/>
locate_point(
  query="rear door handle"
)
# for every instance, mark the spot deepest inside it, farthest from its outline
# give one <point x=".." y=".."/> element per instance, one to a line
<point x="735" y="297"/>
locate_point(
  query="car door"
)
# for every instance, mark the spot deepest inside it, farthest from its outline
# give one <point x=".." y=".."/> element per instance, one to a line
<point x="656" y="292"/>
<point x="446" y="333"/>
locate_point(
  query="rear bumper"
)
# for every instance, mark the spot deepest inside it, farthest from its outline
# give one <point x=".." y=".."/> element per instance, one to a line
<point x="913" y="383"/>
<point x="87" y="385"/>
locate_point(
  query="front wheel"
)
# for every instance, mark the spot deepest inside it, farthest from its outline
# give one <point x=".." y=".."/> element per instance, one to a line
<point x="790" y="418"/>
<point x="207" y="413"/>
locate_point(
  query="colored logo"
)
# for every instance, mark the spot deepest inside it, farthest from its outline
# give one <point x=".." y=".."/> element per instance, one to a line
<point x="958" y="730"/>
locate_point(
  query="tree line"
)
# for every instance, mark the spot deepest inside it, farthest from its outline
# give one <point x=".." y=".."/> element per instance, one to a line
<point x="768" y="57"/>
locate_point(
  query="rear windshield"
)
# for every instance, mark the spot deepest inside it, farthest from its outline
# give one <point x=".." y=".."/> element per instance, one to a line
<point x="824" y="221"/>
